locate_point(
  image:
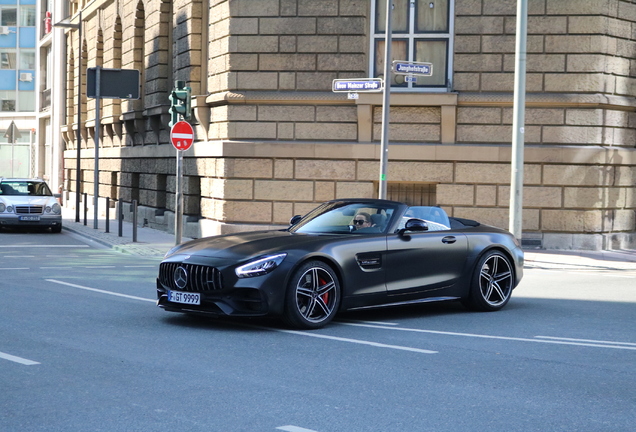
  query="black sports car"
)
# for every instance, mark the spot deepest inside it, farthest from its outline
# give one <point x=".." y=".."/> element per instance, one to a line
<point x="344" y="255"/>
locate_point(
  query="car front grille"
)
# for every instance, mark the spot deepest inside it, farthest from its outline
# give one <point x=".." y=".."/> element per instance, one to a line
<point x="199" y="277"/>
<point x="29" y="209"/>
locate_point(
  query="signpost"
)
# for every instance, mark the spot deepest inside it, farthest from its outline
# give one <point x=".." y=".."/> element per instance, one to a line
<point x="12" y="135"/>
<point x="113" y="84"/>
<point x="412" y="68"/>
<point x="358" y="85"/>
<point x="181" y="136"/>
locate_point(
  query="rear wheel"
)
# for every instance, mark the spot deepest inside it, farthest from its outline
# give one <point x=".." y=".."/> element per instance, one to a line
<point x="492" y="283"/>
<point x="312" y="297"/>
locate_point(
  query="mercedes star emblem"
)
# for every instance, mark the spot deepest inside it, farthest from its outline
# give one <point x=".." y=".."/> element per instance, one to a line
<point x="180" y="277"/>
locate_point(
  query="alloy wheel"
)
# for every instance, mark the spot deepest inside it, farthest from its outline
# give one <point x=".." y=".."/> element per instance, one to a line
<point x="316" y="295"/>
<point x="495" y="280"/>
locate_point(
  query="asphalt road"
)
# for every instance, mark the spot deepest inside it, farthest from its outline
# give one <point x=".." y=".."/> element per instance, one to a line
<point x="83" y="347"/>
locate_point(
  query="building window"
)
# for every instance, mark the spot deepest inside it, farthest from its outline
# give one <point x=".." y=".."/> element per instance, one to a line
<point x="27" y="59"/>
<point x="26" y="99"/>
<point x="422" y="32"/>
<point x="7" y="59"/>
<point x="8" y="16"/>
<point x="413" y="194"/>
<point x="7" y="101"/>
<point x="27" y="16"/>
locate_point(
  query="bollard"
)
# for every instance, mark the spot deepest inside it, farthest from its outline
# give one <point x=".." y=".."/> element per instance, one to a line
<point x="134" y="227"/>
<point x="85" y="207"/>
<point x="107" y="214"/>
<point x="120" y="216"/>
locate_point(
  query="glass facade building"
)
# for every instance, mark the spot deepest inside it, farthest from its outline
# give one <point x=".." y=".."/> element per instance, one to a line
<point x="18" y="72"/>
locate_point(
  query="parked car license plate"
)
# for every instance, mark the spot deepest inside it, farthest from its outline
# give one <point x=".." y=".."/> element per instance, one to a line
<point x="183" y="297"/>
<point x="30" y="218"/>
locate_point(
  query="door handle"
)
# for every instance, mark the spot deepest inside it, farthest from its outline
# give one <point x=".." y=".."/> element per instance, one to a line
<point x="449" y="239"/>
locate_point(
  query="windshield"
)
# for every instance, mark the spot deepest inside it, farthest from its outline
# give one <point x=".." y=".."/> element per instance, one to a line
<point x="346" y="217"/>
<point x="24" y="187"/>
<point x="435" y="217"/>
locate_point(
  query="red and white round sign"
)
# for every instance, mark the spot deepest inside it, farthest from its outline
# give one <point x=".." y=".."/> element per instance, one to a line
<point x="181" y="135"/>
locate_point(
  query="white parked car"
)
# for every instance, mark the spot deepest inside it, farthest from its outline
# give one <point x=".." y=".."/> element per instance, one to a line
<point x="28" y="202"/>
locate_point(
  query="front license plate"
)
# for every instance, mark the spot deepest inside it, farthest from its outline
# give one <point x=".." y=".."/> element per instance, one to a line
<point x="30" y="218"/>
<point x="184" y="298"/>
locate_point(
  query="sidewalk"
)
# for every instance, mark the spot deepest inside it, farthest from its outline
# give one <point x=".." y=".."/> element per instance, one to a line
<point x="155" y="243"/>
<point x="150" y="242"/>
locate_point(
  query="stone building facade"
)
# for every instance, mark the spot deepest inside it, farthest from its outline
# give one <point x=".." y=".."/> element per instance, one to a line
<point x="273" y="140"/>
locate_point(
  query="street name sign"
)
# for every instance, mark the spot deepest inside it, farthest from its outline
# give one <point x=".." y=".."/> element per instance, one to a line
<point x="182" y="135"/>
<point x="358" y="85"/>
<point x="113" y="83"/>
<point x="412" y="68"/>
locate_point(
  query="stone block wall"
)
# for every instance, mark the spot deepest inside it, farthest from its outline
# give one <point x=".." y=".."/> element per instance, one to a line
<point x="273" y="141"/>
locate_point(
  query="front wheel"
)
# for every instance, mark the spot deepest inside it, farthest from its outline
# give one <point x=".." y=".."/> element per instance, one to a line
<point x="312" y="297"/>
<point x="492" y="283"/>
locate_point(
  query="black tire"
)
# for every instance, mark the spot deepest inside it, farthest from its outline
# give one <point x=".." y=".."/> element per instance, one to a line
<point x="492" y="283"/>
<point x="313" y="296"/>
<point x="56" y="229"/>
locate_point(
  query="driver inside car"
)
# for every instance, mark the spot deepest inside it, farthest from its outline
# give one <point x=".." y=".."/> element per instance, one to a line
<point x="361" y="220"/>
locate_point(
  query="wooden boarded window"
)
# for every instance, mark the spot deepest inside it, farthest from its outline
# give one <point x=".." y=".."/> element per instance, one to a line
<point x="414" y="194"/>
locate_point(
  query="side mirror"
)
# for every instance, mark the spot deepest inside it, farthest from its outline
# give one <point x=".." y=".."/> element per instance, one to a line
<point x="414" y="225"/>
<point x="295" y="219"/>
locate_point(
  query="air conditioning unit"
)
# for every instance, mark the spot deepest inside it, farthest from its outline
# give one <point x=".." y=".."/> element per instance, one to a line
<point x="26" y="76"/>
<point x="4" y="30"/>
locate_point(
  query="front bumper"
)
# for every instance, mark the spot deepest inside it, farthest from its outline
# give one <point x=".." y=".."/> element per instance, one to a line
<point x="13" y="220"/>
<point x="230" y="302"/>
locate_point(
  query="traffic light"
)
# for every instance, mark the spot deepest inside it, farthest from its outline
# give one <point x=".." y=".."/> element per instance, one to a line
<point x="180" y="103"/>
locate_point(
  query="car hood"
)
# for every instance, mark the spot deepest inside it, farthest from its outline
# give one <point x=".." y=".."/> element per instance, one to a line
<point x="26" y="200"/>
<point x="243" y="245"/>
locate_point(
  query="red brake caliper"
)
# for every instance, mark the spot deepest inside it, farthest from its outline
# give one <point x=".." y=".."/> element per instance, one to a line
<point x="325" y="296"/>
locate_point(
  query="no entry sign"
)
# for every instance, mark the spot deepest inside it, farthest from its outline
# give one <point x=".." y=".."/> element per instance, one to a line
<point x="181" y="135"/>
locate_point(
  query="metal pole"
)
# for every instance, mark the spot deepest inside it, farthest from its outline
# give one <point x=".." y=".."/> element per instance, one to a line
<point x="134" y="221"/>
<point x="107" y="214"/>
<point x="79" y="122"/>
<point x="516" y="175"/>
<point x="178" y="213"/>
<point x="97" y="128"/>
<point x="386" y="96"/>
<point x="85" y="207"/>
<point x="12" y="140"/>
<point x="120" y="217"/>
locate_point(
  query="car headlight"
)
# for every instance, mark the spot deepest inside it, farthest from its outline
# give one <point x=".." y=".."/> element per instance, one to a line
<point x="9" y="209"/>
<point x="260" y="266"/>
<point x="56" y="208"/>
<point x="2" y="207"/>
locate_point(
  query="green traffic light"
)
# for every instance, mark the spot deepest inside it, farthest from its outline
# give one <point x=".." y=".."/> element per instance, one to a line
<point x="180" y="103"/>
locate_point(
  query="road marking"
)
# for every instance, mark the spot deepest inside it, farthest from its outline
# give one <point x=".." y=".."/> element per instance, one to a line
<point x="357" y="341"/>
<point x="587" y="340"/>
<point x="43" y="246"/>
<point x="18" y="256"/>
<point x="56" y="268"/>
<point x="101" y="291"/>
<point x="14" y="268"/>
<point x="376" y="323"/>
<point x="536" y="340"/>
<point x="100" y="267"/>
<point x="20" y="360"/>
<point x="294" y="429"/>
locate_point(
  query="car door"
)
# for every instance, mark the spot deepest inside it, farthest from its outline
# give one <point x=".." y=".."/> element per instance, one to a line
<point x="424" y="261"/>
